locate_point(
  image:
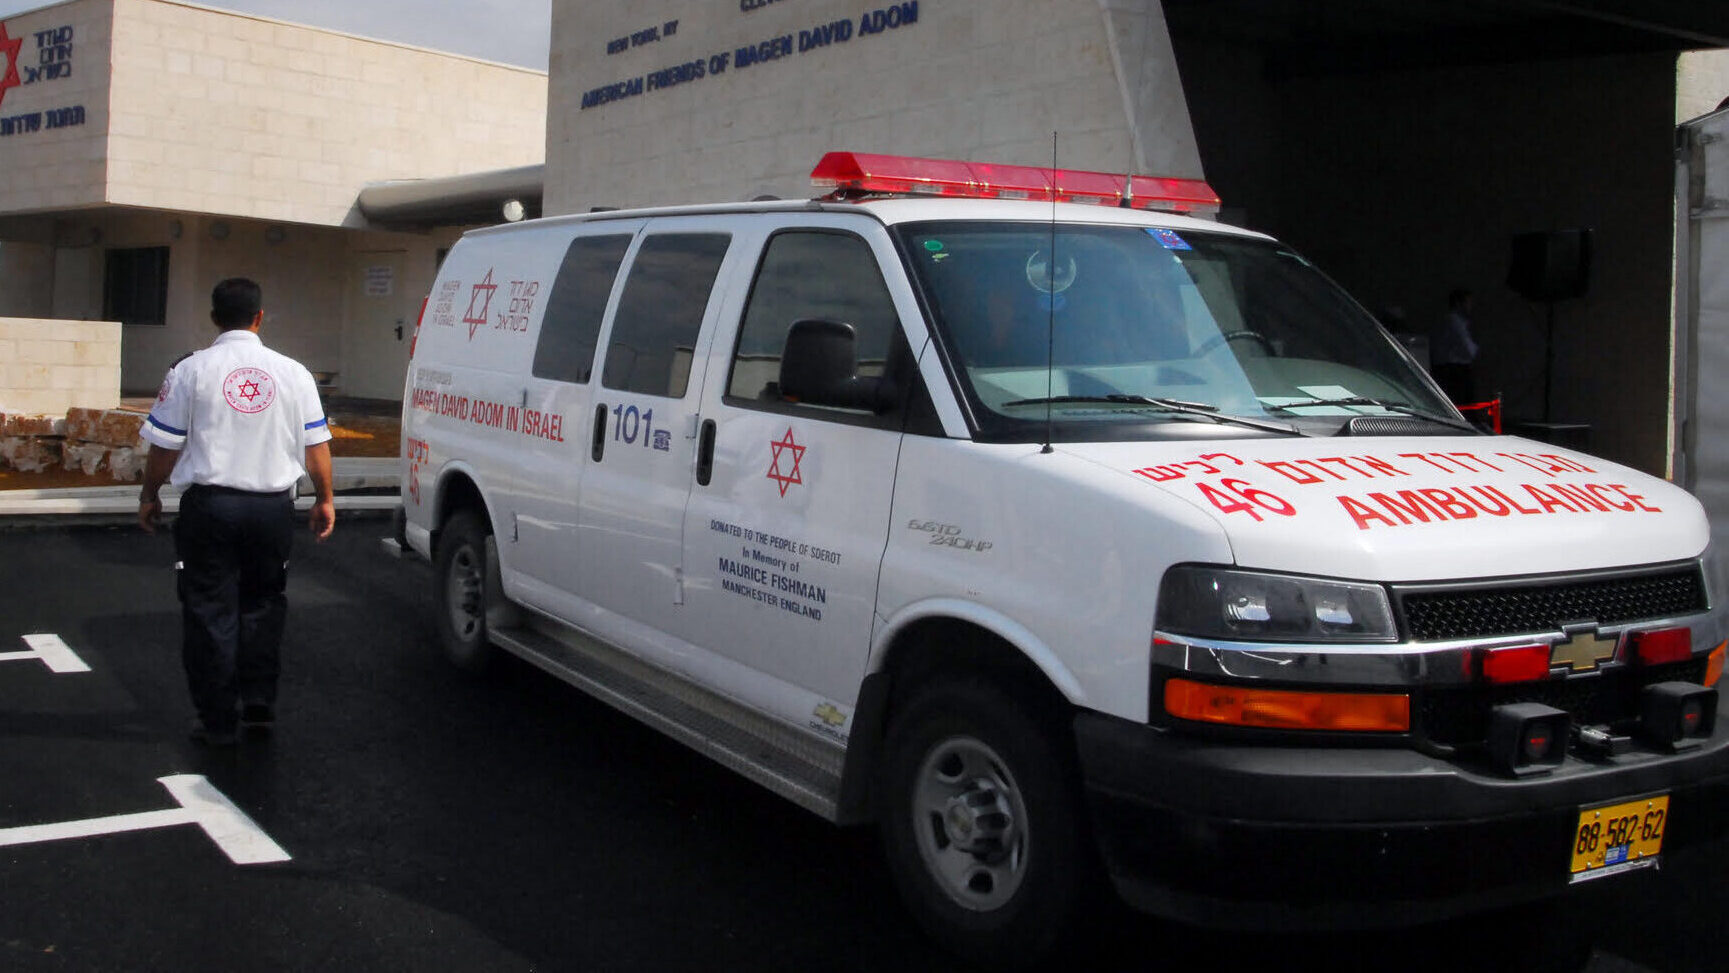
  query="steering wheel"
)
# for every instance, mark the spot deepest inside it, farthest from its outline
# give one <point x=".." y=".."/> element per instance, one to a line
<point x="1229" y="336"/>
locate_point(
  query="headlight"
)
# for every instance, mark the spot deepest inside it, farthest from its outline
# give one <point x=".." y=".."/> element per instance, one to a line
<point x="1254" y="607"/>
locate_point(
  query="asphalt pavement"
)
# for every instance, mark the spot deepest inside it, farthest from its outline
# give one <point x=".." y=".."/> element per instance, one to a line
<point x="434" y="822"/>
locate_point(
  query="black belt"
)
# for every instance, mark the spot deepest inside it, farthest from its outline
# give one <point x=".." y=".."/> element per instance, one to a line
<point x="232" y="491"/>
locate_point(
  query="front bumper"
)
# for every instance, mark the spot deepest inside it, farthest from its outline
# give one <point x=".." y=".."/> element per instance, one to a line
<point x="1269" y="837"/>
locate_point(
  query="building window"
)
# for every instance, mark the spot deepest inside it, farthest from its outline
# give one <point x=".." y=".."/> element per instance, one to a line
<point x="135" y="286"/>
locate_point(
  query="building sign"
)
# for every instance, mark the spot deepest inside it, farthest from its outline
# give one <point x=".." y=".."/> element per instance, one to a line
<point x="380" y="280"/>
<point x="31" y="59"/>
<point x="762" y="51"/>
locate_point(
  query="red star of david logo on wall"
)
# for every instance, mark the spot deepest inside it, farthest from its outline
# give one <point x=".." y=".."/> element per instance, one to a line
<point x="780" y="447"/>
<point x="9" y="50"/>
<point x="487" y="288"/>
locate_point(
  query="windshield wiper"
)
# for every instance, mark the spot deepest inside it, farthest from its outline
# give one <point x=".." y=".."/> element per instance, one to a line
<point x="1403" y="408"/>
<point x="1179" y="406"/>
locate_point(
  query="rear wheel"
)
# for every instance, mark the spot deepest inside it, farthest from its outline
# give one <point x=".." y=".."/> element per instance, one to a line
<point x="466" y="585"/>
<point x="982" y="824"/>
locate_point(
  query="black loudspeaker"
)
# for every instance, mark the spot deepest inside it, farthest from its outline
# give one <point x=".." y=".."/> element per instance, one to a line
<point x="1552" y="266"/>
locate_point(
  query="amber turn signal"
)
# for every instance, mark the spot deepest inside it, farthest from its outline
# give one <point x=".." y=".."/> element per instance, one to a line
<point x="1286" y="709"/>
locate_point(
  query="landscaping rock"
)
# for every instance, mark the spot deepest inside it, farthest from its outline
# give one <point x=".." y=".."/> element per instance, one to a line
<point x="110" y="427"/>
<point x="30" y="454"/>
<point x="20" y="425"/>
<point x="126" y="463"/>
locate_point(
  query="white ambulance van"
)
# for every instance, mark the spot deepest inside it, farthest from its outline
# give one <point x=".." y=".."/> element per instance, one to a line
<point x="1069" y="539"/>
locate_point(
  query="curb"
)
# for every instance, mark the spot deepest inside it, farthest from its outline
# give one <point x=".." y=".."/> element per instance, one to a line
<point x="122" y="511"/>
<point x="362" y="486"/>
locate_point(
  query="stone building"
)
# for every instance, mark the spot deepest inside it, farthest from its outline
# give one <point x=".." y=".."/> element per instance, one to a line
<point x="149" y="148"/>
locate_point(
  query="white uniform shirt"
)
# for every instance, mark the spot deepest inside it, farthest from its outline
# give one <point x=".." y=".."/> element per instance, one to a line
<point x="242" y="415"/>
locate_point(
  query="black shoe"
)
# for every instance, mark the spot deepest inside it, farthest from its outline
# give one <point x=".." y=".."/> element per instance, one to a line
<point x="257" y="716"/>
<point x="204" y="735"/>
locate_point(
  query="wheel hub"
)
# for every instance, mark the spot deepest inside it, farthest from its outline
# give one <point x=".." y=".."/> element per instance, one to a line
<point x="969" y="823"/>
<point x="978" y="820"/>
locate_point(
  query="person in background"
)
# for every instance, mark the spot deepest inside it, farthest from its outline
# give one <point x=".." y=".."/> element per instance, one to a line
<point x="1452" y="349"/>
<point x="234" y="427"/>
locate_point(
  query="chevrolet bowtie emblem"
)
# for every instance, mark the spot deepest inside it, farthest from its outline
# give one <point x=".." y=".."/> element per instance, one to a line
<point x="1583" y="651"/>
<point x="830" y="713"/>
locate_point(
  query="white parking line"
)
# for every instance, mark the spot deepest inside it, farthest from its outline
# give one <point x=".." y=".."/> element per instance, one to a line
<point x="243" y="841"/>
<point x="54" y="653"/>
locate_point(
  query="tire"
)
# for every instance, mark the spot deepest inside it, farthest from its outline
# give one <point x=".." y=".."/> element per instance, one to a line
<point x="465" y="590"/>
<point x="983" y="826"/>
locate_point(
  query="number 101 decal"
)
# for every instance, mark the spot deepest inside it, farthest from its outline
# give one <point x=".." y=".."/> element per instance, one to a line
<point x="630" y="424"/>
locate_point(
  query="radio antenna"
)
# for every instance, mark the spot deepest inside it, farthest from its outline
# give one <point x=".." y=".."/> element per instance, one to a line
<point x="1051" y="305"/>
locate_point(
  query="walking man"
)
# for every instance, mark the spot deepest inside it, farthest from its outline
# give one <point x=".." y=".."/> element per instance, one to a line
<point x="234" y="427"/>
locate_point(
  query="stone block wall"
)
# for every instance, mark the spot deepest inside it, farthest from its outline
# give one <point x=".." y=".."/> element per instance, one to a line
<point x="315" y="114"/>
<point x="47" y="367"/>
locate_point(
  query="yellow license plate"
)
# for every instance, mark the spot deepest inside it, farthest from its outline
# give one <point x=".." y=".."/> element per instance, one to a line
<point x="1619" y="837"/>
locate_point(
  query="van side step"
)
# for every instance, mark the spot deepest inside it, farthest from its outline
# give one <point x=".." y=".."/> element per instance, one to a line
<point x="792" y="764"/>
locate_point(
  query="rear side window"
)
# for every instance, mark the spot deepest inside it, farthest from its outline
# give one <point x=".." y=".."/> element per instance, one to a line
<point x="660" y="313"/>
<point x="811" y="274"/>
<point x="570" y="327"/>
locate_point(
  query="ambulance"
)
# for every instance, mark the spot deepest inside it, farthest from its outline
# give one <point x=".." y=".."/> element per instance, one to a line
<point x="1074" y="539"/>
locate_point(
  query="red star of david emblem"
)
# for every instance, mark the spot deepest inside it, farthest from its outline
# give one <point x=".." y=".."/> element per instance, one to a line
<point x="249" y="390"/>
<point x="781" y="446"/>
<point x="473" y="320"/>
<point x="9" y="49"/>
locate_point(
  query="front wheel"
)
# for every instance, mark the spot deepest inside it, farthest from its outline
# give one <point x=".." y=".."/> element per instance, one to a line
<point x="982" y="824"/>
<point x="466" y="586"/>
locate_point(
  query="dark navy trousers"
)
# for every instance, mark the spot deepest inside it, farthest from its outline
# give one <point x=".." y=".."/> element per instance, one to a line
<point x="233" y="550"/>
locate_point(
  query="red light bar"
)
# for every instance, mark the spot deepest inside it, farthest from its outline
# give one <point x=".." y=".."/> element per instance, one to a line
<point x="1663" y="645"/>
<point x="1522" y="663"/>
<point x="858" y="173"/>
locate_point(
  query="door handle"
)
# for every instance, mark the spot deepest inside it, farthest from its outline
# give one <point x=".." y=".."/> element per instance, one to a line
<point x="705" y="453"/>
<point x="597" y="448"/>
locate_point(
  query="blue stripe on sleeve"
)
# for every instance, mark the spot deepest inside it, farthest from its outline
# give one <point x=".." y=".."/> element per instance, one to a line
<point x="314" y="425"/>
<point x="165" y="427"/>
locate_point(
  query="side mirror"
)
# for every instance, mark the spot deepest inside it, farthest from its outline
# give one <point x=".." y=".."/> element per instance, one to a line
<point x="819" y="366"/>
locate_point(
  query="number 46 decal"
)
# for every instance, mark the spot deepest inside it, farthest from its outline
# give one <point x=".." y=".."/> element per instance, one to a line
<point x="1237" y="497"/>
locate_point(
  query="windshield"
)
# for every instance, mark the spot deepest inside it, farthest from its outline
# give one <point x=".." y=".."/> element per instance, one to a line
<point x="1130" y="330"/>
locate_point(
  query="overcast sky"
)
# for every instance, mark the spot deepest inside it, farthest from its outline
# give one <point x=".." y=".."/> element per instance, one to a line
<point x="512" y="31"/>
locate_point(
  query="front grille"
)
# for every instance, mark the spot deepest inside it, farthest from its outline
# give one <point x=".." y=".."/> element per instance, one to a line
<point x="1544" y="606"/>
<point x="1459" y="715"/>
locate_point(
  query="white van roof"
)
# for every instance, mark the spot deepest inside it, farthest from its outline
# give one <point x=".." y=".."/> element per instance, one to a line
<point x="910" y="209"/>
